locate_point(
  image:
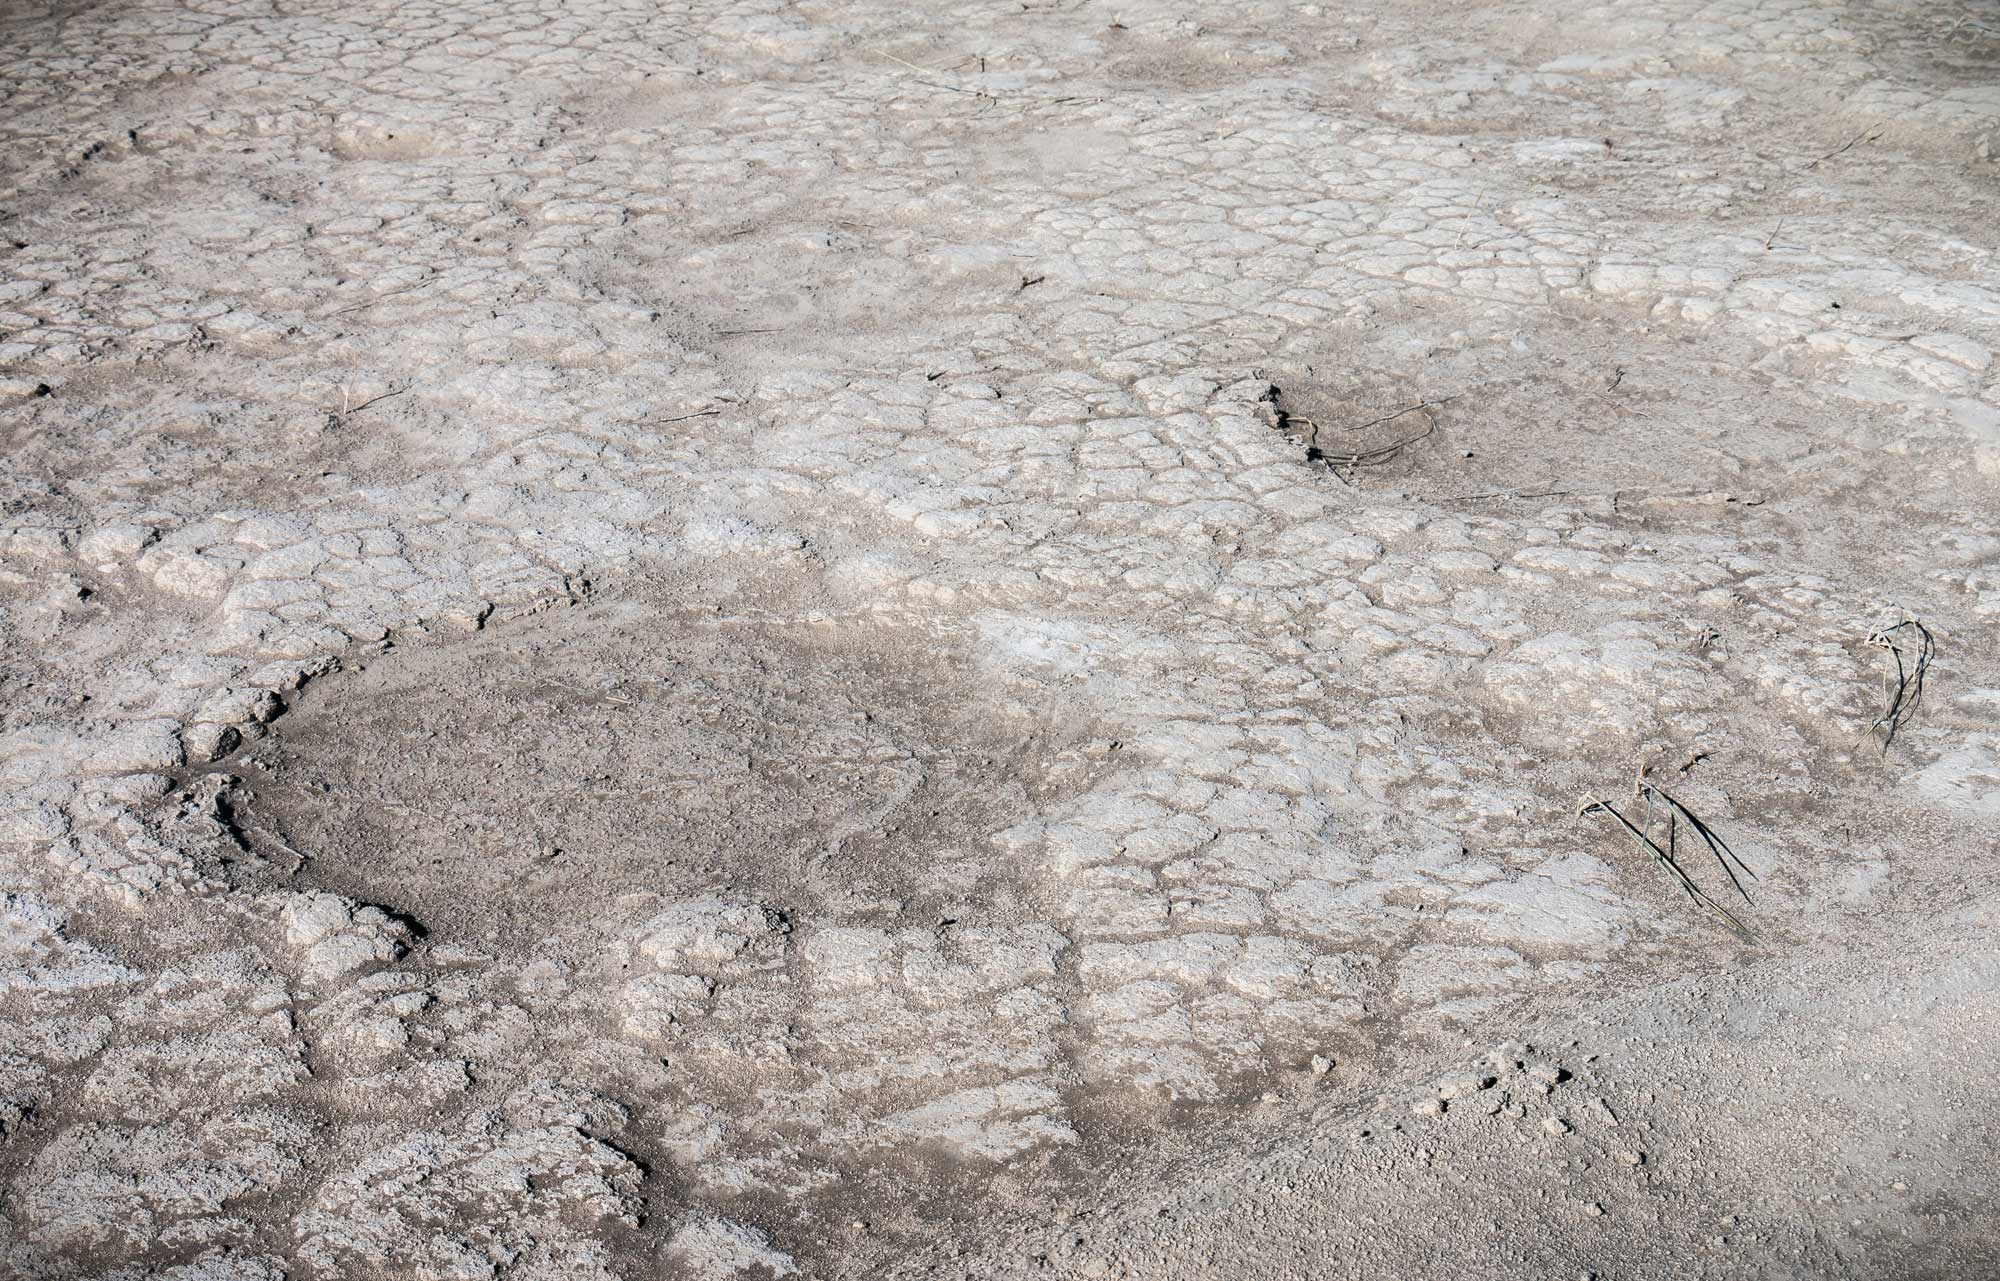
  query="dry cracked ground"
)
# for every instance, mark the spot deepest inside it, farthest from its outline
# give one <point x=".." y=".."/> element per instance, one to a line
<point x="759" y="638"/>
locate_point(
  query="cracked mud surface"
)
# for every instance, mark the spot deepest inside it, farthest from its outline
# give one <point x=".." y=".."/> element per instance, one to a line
<point x="781" y="639"/>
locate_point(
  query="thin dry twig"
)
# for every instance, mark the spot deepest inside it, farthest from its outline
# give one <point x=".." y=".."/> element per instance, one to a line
<point x="298" y="860"/>
<point x="1912" y="653"/>
<point x="1336" y="459"/>
<point x="366" y="303"/>
<point x="401" y="808"/>
<point x="1662" y="804"/>
<point x="1970" y="18"/>
<point x="587" y="693"/>
<point x="1867" y="135"/>
<point x="347" y="411"/>
<point x="1508" y="493"/>
<point x="1678" y="813"/>
<point x="1672" y="866"/>
<point x="926" y="71"/>
<point x="1381" y="454"/>
<point x="1390" y="418"/>
<point x="1618" y="405"/>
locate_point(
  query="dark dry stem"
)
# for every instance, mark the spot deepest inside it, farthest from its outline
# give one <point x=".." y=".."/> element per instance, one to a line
<point x="348" y="411"/>
<point x="1673" y="868"/>
<point x="1372" y="422"/>
<point x="1716" y="845"/>
<point x="1507" y="493"/>
<point x="1868" y="135"/>
<point x="1368" y="456"/>
<point x="1363" y="457"/>
<point x="1910" y="675"/>
<point x="1390" y="418"/>
<point x="366" y="303"/>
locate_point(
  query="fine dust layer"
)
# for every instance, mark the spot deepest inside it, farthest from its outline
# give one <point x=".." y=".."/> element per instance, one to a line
<point x="757" y="640"/>
<point x="528" y="778"/>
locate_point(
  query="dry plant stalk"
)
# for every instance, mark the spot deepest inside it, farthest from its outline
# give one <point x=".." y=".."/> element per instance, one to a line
<point x="1353" y="459"/>
<point x="1663" y="805"/>
<point x="1912" y="647"/>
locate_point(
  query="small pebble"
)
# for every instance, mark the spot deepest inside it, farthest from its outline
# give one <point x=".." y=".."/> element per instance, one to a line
<point x="1507" y="1056"/>
<point x="1453" y="1087"/>
<point x="1555" y="1125"/>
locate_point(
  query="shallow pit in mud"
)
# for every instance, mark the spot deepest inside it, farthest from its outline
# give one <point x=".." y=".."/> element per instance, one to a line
<point x="529" y="777"/>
